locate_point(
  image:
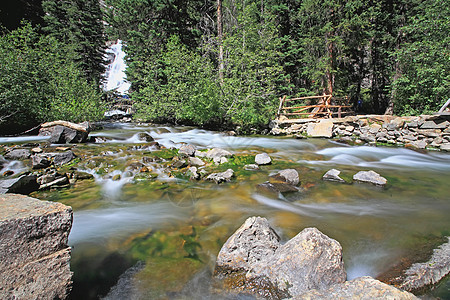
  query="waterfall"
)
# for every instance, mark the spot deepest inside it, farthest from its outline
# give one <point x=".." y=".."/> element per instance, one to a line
<point x="115" y="71"/>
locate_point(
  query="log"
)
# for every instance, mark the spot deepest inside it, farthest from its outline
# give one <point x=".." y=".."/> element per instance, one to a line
<point x="66" y="124"/>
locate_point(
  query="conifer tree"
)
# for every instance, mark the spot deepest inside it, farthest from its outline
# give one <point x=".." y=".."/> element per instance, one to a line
<point x="78" y="24"/>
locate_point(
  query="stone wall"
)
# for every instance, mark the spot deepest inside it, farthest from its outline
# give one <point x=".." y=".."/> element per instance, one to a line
<point x="426" y="131"/>
<point x="34" y="254"/>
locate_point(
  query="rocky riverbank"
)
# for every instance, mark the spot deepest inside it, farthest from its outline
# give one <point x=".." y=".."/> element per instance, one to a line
<point x="34" y="253"/>
<point x="423" y="132"/>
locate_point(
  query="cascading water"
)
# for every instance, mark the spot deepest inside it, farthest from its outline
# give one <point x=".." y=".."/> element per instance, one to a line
<point x="115" y="72"/>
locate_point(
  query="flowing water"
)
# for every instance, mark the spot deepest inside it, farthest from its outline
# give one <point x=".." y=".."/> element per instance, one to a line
<point x="115" y="73"/>
<point x="168" y="231"/>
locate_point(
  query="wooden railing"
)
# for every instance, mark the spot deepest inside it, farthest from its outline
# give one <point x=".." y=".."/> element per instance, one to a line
<point x="324" y="106"/>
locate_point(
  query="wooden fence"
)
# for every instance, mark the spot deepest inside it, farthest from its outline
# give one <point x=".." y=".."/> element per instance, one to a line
<point x="325" y="106"/>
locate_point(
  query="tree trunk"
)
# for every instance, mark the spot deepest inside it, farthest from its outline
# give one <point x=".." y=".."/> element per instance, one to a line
<point x="220" y="39"/>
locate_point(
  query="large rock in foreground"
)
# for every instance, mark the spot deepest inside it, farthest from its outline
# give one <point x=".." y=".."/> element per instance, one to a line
<point x="359" y="288"/>
<point x="34" y="253"/>
<point x="262" y="266"/>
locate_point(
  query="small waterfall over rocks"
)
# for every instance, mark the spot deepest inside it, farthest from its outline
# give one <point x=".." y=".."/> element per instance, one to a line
<point x="115" y="78"/>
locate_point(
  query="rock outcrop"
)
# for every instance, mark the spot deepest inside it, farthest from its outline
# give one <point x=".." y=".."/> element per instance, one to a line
<point x="34" y="251"/>
<point x="310" y="260"/>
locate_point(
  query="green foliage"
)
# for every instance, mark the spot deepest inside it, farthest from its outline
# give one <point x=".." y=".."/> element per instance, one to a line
<point x="186" y="91"/>
<point x="40" y="83"/>
<point x="424" y="83"/>
<point x="78" y="24"/>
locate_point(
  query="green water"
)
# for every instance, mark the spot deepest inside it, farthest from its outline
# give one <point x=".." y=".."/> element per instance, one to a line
<point x="176" y="226"/>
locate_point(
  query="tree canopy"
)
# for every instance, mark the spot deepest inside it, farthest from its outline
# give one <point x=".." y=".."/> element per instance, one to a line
<point x="189" y="64"/>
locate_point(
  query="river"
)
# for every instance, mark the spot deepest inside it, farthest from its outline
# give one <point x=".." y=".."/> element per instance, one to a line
<point x="171" y="229"/>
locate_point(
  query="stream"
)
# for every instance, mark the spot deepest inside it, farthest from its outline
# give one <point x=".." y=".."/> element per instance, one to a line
<point x="167" y="231"/>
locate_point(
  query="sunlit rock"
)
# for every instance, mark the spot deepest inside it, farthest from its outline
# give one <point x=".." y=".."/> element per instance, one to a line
<point x="333" y="175"/>
<point x="370" y="177"/>
<point x="310" y="260"/>
<point x="263" y="159"/>
<point x="221" y="177"/>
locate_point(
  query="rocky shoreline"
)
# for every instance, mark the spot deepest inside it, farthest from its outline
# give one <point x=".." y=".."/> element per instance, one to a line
<point x="422" y="132"/>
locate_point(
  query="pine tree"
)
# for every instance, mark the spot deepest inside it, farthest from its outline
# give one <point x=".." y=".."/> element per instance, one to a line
<point x="78" y="24"/>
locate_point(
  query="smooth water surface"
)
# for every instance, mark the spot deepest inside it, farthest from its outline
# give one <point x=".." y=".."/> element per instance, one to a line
<point x="175" y="227"/>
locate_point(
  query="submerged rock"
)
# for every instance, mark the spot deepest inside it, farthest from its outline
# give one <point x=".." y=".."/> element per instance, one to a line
<point x="421" y="275"/>
<point x="370" y="177"/>
<point x="251" y="167"/>
<point x="263" y="159"/>
<point x="360" y="288"/>
<point x="221" y="177"/>
<point x="276" y="187"/>
<point x="310" y="260"/>
<point x="333" y="175"/>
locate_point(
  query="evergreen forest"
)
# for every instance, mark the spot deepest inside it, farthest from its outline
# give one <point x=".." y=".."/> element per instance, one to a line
<point x="223" y="63"/>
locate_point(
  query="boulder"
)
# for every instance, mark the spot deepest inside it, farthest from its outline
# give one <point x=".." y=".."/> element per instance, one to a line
<point x="178" y="163"/>
<point x="18" y="154"/>
<point x="24" y="185"/>
<point x="360" y="288"/>
<point x="322" y="129"/>
<point x="192" y="173"/>
<point x="221" y="177"/>
<point x="310" y="260"/>
<point x="62" y="132"/>
<point x="196" y="162"/>
<point x="333" y="175"/>
<point x="263" y="159"/>
<point x="215" y="152"/>
<point x="34" y="251"/>
<point x="370" y="177"/>
<point x="187" y="150"/>
<point x="145" y="137"/>
<point x="39" y="162"/>
<point x="289" y="176"/>
<point x="445" y="147"/>
<point x="61" y="158"/>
